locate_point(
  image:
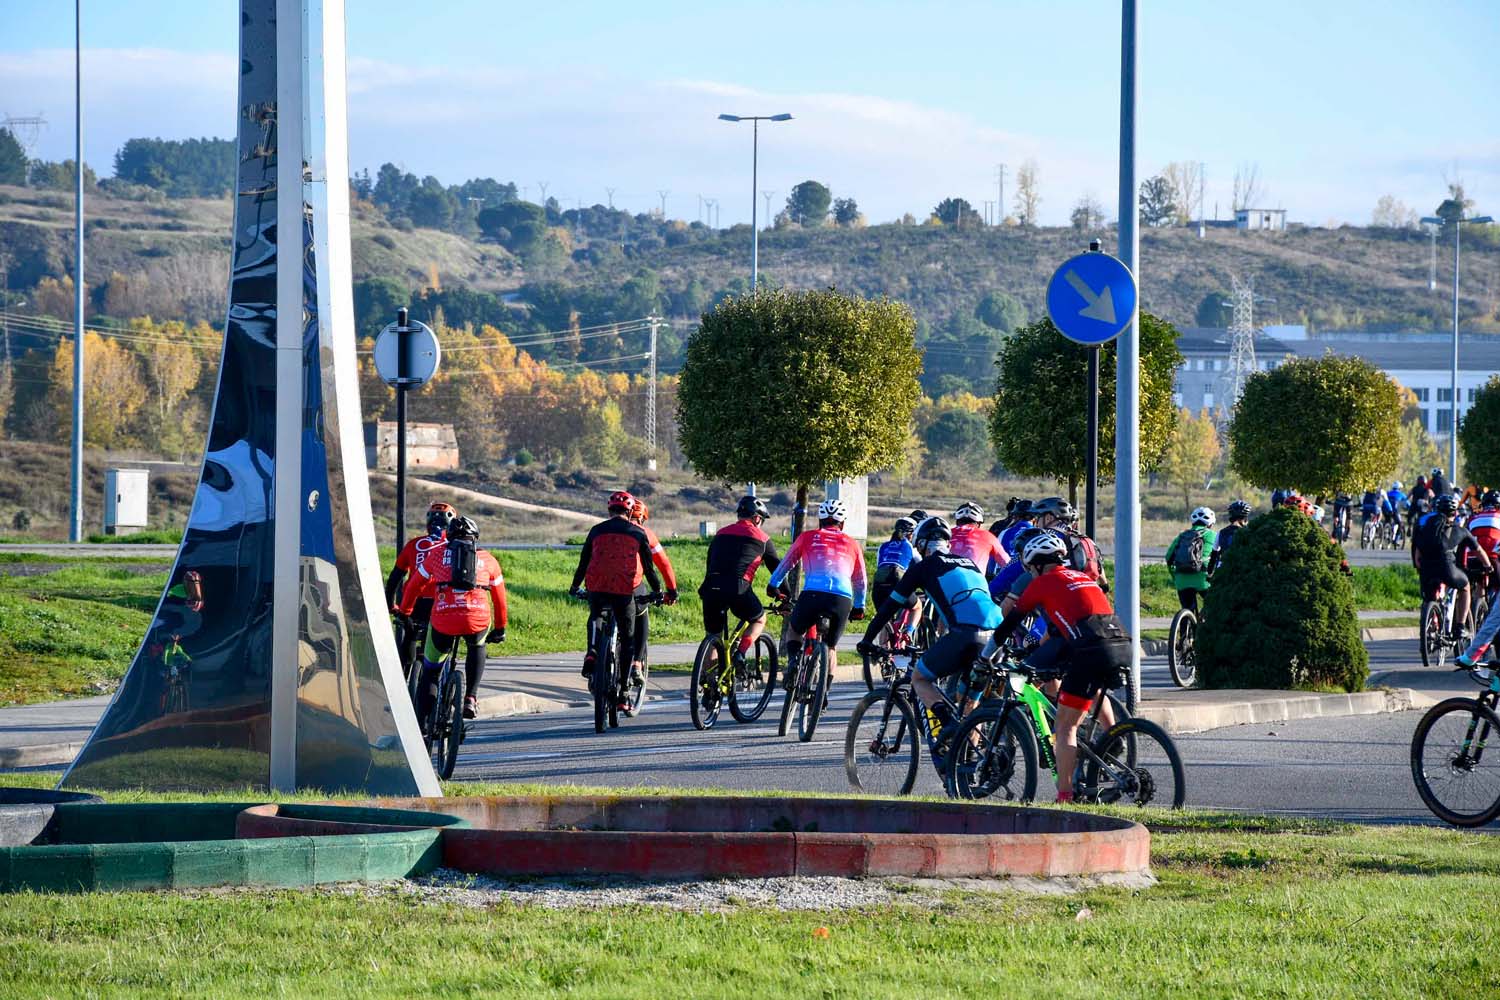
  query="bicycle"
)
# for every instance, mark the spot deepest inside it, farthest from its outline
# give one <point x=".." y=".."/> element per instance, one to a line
<point x="445" y="727"/>
<point x="718" y="676"/>
<point x="414" y="668"/>
<point x="610" y="685"/>
<point x="1437" y="626"/>
<point x="1368" y="533"/>
<point x="807" y="690"/>
<point x="899" y="643"/>
<point x="1447" y="749"/>
<point x="1004" y="681"/>
<point x="1393" y="533"/>
<point x="1182" y="648"/>
<point x="883" y="748"/>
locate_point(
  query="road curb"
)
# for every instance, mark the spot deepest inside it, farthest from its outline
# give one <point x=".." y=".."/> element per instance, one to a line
<point x="1248" y="711"/>
<point x="38" y="754"/>
<point x="1393" y="632"/>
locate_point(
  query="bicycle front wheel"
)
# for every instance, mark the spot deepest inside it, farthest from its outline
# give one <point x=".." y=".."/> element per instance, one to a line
<point x="754" y="682"/>
<point x="1447" y="751"/>
<point x="818" y="678"/>
<point x="1433" y="638"/>
<point x="705" y="693"/>
<point x="1154" y="777"/>
<point x="993" y="753"/>
<point x="1182" y="650"/>
<point x="882" y="745"/>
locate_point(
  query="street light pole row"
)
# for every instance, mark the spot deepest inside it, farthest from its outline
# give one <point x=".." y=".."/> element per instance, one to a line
<point x="1458" y="222"/>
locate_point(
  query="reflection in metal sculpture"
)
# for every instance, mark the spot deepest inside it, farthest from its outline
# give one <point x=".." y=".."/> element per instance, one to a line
<point x="270" y="662"/>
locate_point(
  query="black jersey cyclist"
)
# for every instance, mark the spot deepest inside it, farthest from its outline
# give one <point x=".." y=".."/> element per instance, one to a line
<point x="736" y="552"/>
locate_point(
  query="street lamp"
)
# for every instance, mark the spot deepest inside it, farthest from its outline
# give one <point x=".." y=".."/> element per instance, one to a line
<point x="755" y="121"/>
<point x="1458" y="222"/>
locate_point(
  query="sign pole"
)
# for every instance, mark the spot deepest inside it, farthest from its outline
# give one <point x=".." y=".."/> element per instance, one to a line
<point x="1127" y="374"/>
<point x="403" y="372"/>
<point x="1092" y="488"/>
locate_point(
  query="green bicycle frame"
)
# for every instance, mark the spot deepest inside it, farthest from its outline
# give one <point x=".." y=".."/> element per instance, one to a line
<point x="1042" y="714"/>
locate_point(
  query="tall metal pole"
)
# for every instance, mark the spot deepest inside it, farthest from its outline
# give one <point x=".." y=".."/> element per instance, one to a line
<point x="1091" y="488"/>
<point x="1127" y="375"/>
<point x="403" y="372"/>
<point x="651" y="398"/>
<point x="1453" y="422"/>
<point x="75" y="520"/>
<point x="754" y="187"/>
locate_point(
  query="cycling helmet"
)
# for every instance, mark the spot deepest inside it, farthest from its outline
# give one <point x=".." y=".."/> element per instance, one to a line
<point x="620" y="500"/>
<point x="1396" y="485"/>
<point x="833" y="509"/>
<point x="438" y="520"/>
<point x="1016" y="504"/>
<point x="751" y="507"/>
<point x="904" y="527"/>
<point x="919" y="515"/>
<point x="463" y="528"/>
<point x="1239" y="510"/>
<point x="1444" y="504"/>
<point x="934" y="529"/>
<point x="1202" y="517"/>
<point x="1057" y="507"/>
<point x="1490" y="498"/>
<point x="438" y="505"/>
<point x="1018" y="543"/>
<point x="1437" y="473"/>
<point x="1317" y="513"/>
<point x="1304" y="505"/>
<point x="1043" y="549"/>
<point x="639" y="512"/>
<point x="968" y="511"/>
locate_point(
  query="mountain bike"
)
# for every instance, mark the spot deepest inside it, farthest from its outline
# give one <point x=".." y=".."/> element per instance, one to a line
<point x="1341" y="519"/>
<point x="445" y="728"/>
<point x="1134" y="761"/>
<point x="882" y="666"/>
<point x="1447" y="750"/>
<point x="611" y="686"/>
<point x="1182" y="648"/>
<point x="1368" y="532"/>
<point x="1392" y="533"/>
<point x="1436" y="624"/>
<point x="807" y="688"/>
<point x="746" y="681"/>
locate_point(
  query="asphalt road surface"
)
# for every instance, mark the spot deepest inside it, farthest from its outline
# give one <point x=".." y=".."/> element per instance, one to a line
<point x="1344" y="768"/>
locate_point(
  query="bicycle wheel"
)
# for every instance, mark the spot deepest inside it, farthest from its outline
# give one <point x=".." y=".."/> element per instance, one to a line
<point x="1432" y="639"/>
<point x="871" y="667"/>
<point x="1182" y="654"/>
<point x="755" y="682"/>
<point x="704" y="690"/>
<point x="1446" y="751"/>
<point x="451" y="713"/>
<point x="818" y="679"/>
<point x="993" y="753"/>
<point x="793" y="682"/>
<point x="603" y="672"/>
<point x="882" y="744"/>
<point x="1155" y="777"/>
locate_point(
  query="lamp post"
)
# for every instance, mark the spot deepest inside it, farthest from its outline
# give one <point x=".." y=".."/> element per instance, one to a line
<point x="754" y="121"/>
<point x="1458" y="222"/>
<point x="75" y="515"/>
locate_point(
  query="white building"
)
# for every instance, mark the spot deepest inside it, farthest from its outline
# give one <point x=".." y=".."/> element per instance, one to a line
<point x="1260" y="218"/>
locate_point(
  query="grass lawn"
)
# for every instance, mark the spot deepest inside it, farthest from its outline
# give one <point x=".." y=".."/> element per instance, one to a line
<point x="1244" y="906"/>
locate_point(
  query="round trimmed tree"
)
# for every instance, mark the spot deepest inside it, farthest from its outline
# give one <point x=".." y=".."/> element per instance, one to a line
<point x="1479" y="435"/>
<point x="798" y="387"/>
<point x="1317" y="425"/>
<point x="1281" y="612"/>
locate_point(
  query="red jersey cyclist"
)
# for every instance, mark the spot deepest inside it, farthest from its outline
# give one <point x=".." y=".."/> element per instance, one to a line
<point x="833" y="584"/>
<point x="640" y="514"/>
<point x="974" y="543"/>
<point x="616" y="556"/>
<point x="438" y="517"/>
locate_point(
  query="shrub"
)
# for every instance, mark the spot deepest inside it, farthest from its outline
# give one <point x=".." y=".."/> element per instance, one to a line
<point x="524" y="457"/>
<point x="1281" y="612"/>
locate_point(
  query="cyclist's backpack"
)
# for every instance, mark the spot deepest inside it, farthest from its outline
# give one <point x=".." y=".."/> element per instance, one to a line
<point x="463" y="561"/>
<point x="1187" y="552"/>
<point x="1083" y="555"/>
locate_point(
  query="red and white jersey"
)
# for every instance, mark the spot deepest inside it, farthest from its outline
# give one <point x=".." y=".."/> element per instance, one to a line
<point x="1485" y="527"/>
<point x="458" y="612"/>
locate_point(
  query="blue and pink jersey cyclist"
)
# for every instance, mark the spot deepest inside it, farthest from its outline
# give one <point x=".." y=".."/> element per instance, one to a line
<point x="833" y="575"/>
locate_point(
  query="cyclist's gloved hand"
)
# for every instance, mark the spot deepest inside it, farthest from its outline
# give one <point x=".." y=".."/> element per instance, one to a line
<point x="857" y="615"/>
<point x="671" y="595"/>
<point x="576" y="592"/>
<point x="773" y="592"/>
<point x="497" y="634"/>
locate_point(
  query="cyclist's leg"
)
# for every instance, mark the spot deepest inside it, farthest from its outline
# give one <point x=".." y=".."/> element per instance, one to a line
<point x="596" y="601"/>
<point x="715" y="612"/>
<point x="625" y="608"/>
<point x="408" y="650"/>
<point x="1080" y="686"/>
<point x="474" y="657"/>
<point x="804" y="615"/>
<point x="1459" y="580"/>
<point x="950" y="654"/>
<point x="1188" y="598"/>
<point x="642" y="625"/>
<point x="433" y="652"/>
<point x="748" y="608"/>
<point x="1046" y="657"/>
<point x="1484" y="635"/>
<point x="838" y="611"/>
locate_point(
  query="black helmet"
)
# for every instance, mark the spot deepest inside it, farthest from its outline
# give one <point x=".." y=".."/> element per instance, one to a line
<point x="1057" y="507"/>
<point x="1445" y="504"/>
<point x="932" y="529"/>
<point x="919" y="515"/>
<point x="1015" y="504"/>
<point x="904" y="527"/>
<point x="463" y="528"/>
<point x="1491" y="498"/>
<point x="751" y="507"/>
<point x="1239" y="510"/>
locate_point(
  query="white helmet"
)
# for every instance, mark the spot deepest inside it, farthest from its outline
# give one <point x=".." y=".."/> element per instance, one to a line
<point x="1045" y="547"/>
<point x="968" y="511"/>
<point x="1202" y="517"/>
<point x="833" y="509"/>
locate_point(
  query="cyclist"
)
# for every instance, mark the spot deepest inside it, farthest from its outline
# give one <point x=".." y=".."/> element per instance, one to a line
<point x="1239" y="513"/>
<point x="736" y="552"/>
<point x="960" y="595"/>
<point x="640" y="514"/>
<point x="1439" y="549"/>
<point x="439" y="516"/>
<point x="1020" y="520"/>
<point x="1190" y="555"/>
<point x="616" y="556"/>
<point x="1439" y="483"/>
<point x="833" y="584"/>
<point x="1369" y="507"/>
<point x="464" y="584"/>
<point x="892" y="560"/>
<point x="1095" y="647"/>
<point x="1485" y="527"/>
<point x="1015" y="510"/>
<point x="1060" y="517"/>
<point x="1342" y="505"/>
<point x="1391" y="504"/>
<point x="1472" y="499"/>
<point x="1279" y="497"/>
<point x="974" y="543"/>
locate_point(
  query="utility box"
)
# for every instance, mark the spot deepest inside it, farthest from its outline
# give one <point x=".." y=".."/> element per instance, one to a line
<point x="856" y="495"/>
<point x="124" y="501"/>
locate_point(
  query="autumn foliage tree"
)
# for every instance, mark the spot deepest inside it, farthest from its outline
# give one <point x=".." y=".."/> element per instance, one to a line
<point x="1191" y="454"/>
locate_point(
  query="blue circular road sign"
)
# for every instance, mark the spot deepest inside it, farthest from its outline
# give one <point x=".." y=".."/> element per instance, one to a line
<point x="1091" y="298"/>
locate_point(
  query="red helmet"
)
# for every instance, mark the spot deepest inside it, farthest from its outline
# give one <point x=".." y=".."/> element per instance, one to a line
<point x="620" y="500"/>
<point x="640" y="512"/>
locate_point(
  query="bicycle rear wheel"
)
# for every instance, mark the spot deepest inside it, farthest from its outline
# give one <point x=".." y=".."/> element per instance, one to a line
<point x="754" y="684"/>
<point x="451" y="723"/>
<point x="818" y="678"/>
<point x="1155" y="777"/>
<point x="993" y="753"/>
<point x="604" y="669"/>
<point x="705" y="695"/>
<point x="882" y="744"/>
<point x="1182" y="651"/>
<point x="1447" y="750"/>
<point x="1432" y="638"/>
<point x="792" y="684"/>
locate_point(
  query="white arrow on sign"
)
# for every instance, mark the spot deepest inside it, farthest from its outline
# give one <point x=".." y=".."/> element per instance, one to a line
<point x="1101" y="306"/>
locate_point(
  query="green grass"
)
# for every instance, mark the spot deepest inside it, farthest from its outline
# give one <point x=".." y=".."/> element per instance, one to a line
<point x="155" y="536"/>
<point x="1244" y="907"/>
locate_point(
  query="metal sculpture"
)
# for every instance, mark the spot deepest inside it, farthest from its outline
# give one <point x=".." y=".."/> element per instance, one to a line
<point x="269" y="662"/>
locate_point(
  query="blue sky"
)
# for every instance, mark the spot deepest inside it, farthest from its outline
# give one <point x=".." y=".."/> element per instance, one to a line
<point x="896" y="104"/>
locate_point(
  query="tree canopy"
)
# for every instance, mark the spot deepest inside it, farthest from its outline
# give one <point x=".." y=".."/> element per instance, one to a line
<point x="1479" y="435"/>
<point x="12" y="159"/>
<point x="1318" y="425"/>
<point x="1158" y="202"/>
<point x="179" y="168"/>
<point x="956" y="212"/>
<point x="808" y="204"/>
<point x="798" y="387"/>
<point x="1039" y="424"/>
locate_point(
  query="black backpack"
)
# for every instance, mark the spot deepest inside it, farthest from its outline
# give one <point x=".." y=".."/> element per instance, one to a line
<point x="1187" y="552"/>
<point x="463" y="561"/>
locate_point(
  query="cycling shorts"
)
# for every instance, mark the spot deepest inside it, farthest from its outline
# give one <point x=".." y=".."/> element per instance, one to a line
<point x="1446" y="573"/>
<point x="952" y="654"/>
<point x="814" y="604"/>
<point x="879" y="593"/>
<point x="1092" y="668"/>
<point x="717" y="604"/>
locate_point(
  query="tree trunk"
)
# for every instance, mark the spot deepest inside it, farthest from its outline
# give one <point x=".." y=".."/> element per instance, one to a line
<point x="1073" y="490"/>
